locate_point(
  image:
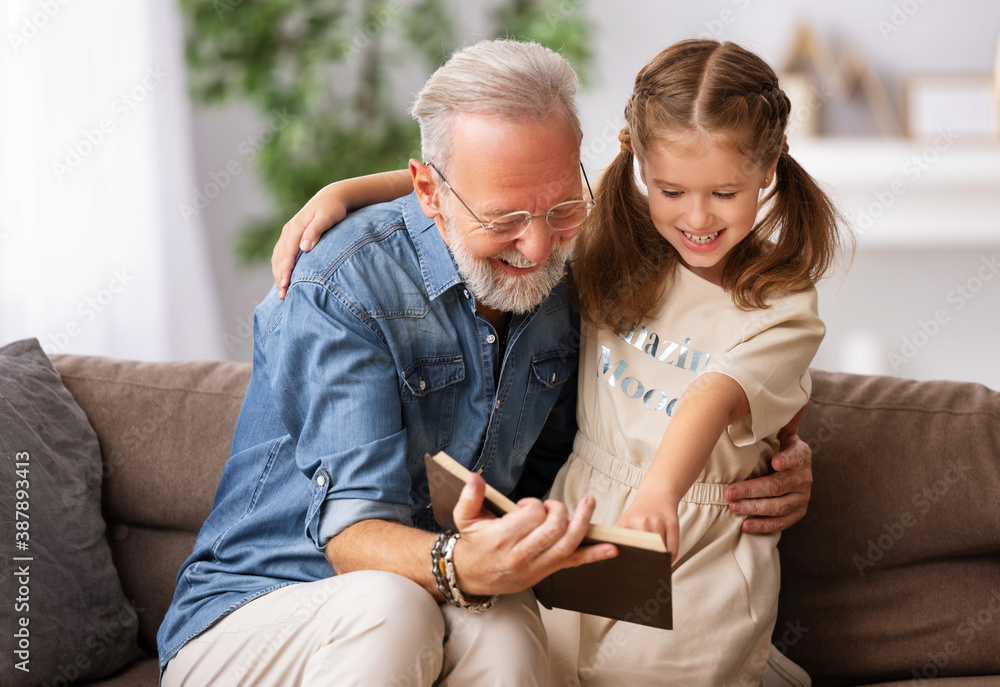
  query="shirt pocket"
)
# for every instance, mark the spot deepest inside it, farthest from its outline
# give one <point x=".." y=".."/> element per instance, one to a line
<point x="429" y="392"/>
<point x="545" y="381"/>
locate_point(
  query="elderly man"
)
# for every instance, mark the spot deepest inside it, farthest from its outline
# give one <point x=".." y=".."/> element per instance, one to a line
<point x="408" y="330"/>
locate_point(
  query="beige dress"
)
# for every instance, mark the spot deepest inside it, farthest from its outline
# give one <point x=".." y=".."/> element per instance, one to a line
<point x="725" y="583"/>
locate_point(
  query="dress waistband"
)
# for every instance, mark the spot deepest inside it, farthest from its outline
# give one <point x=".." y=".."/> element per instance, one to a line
<point x="705" y="493"/>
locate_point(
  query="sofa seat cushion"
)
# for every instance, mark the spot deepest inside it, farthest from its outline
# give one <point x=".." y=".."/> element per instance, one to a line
<point x="142" y="673"/>
<point x="894" y="573"/>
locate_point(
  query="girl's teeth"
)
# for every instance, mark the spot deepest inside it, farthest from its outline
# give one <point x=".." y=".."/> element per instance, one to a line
<point x="702" y="239"/>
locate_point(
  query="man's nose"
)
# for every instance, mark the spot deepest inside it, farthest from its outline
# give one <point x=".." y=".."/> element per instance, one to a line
<point x="537" y="241"/>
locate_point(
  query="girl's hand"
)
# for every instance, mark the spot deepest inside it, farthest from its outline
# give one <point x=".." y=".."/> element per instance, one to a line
<point x="302" y="232"/>
<point x="653" y="513"/>
<point x="328" y="207"/>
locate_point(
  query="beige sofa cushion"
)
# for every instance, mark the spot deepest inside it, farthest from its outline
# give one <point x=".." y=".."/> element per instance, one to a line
<point x="165" y="431"/>
<point x="897" y="563"/>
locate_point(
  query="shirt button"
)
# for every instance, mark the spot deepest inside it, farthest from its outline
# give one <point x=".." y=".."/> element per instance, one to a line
<point x="321" y="480"/>
<point x="466" y="292"/>
<point x="423" y="385"/>
<point x="490" y="338"/>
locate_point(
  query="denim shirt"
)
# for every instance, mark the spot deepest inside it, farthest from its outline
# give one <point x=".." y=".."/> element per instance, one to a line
<point x="376" y="357"/>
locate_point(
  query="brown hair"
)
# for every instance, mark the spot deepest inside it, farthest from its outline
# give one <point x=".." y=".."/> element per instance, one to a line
<point x="730" y="96"/>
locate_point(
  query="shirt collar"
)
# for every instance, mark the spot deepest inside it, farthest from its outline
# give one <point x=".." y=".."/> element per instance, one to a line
<point x="436" y="264"/>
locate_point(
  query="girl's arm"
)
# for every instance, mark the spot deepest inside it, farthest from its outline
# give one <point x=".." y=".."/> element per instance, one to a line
<point x="711" y="403"/>
<point x="329" y="206"/>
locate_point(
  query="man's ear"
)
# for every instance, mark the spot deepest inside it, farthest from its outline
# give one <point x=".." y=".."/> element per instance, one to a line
<point x="427" y="191"/>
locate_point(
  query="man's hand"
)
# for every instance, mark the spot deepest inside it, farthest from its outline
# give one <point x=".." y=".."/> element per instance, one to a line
<point x="515" y="552"/>
<point x="778" y="500"/>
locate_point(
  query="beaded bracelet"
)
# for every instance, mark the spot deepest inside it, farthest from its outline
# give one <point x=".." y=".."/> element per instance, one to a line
<point x="438" y="568"/>
<point x="444" y="575"/>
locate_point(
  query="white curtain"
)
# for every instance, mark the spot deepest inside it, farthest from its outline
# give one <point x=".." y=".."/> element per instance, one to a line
<point x="95" y="162"/>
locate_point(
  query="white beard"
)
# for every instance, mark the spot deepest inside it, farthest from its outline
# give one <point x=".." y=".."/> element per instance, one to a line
<point x="502" y="291"/>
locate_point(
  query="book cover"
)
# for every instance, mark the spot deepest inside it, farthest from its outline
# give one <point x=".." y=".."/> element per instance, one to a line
<point x="633" y="587"/>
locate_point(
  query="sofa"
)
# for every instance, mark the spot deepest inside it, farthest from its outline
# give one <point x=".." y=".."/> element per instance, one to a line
<point x="893" y="576"/>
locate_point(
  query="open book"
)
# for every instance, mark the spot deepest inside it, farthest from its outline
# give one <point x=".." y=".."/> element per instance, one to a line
<point x="634" y="586"/>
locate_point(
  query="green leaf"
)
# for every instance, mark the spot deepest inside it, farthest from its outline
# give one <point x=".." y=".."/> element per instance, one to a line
<point x="332" y="65"/>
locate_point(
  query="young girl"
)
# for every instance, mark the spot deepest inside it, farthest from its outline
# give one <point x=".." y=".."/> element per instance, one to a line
<point x="699" y="325"/>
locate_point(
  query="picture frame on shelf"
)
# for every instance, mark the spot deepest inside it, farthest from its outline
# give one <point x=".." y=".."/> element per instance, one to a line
<point x="962" y="104"/>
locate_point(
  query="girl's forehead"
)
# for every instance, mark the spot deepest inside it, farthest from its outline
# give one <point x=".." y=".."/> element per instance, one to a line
<point x="695" y="142"/>
<point x="698" y="161"/>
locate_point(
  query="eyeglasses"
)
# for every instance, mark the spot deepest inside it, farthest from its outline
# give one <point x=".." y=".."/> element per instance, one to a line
<point x="561" y="217"/>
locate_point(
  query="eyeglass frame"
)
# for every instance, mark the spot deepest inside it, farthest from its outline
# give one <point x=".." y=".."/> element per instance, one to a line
<point x="488" y="227"/>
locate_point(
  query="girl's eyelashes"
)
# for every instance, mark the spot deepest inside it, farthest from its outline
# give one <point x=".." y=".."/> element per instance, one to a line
<point x="722" y="195"/>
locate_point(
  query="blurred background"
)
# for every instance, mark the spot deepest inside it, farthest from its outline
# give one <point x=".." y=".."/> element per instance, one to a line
<point x="151" y="150"/>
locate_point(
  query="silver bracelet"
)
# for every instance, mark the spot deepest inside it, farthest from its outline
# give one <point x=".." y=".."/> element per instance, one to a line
<point x="457" y="598"/>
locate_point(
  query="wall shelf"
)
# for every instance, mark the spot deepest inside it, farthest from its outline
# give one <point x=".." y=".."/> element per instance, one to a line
<point x="940" y="192"/>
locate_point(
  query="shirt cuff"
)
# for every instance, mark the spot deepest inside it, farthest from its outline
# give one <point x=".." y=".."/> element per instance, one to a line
<point x="336" y="515"/>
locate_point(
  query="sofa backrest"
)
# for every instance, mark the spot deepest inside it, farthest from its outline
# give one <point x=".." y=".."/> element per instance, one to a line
<point x="894" y="573"/>
<point x="165" y="431"/>
<point x="895" y="566"/>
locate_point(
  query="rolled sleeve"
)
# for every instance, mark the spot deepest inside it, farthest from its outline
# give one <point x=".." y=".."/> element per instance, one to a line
<point x="771" y="365"/>
<point x="337" y="391"/>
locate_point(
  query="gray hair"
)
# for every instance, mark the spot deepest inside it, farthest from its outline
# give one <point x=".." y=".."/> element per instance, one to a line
<point x="507" y="78"/>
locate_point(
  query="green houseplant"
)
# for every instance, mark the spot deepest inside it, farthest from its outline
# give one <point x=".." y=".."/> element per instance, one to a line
<point x="325" y="71"/>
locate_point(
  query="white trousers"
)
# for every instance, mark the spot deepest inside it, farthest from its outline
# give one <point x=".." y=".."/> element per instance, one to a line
<point x="366" y="628"/>
<point x="375" y="628"/>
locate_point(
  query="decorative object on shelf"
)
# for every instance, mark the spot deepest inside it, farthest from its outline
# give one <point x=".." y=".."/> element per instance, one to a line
<point x="814" y="78"/>
<point x="996" y="89"/>
<point x="808" y="64"/>
<point x="957" y="104"/>
<point x="330" y="75"/>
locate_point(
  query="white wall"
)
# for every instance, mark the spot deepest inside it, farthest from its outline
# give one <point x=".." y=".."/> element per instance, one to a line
<point x="892" y="287"/>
